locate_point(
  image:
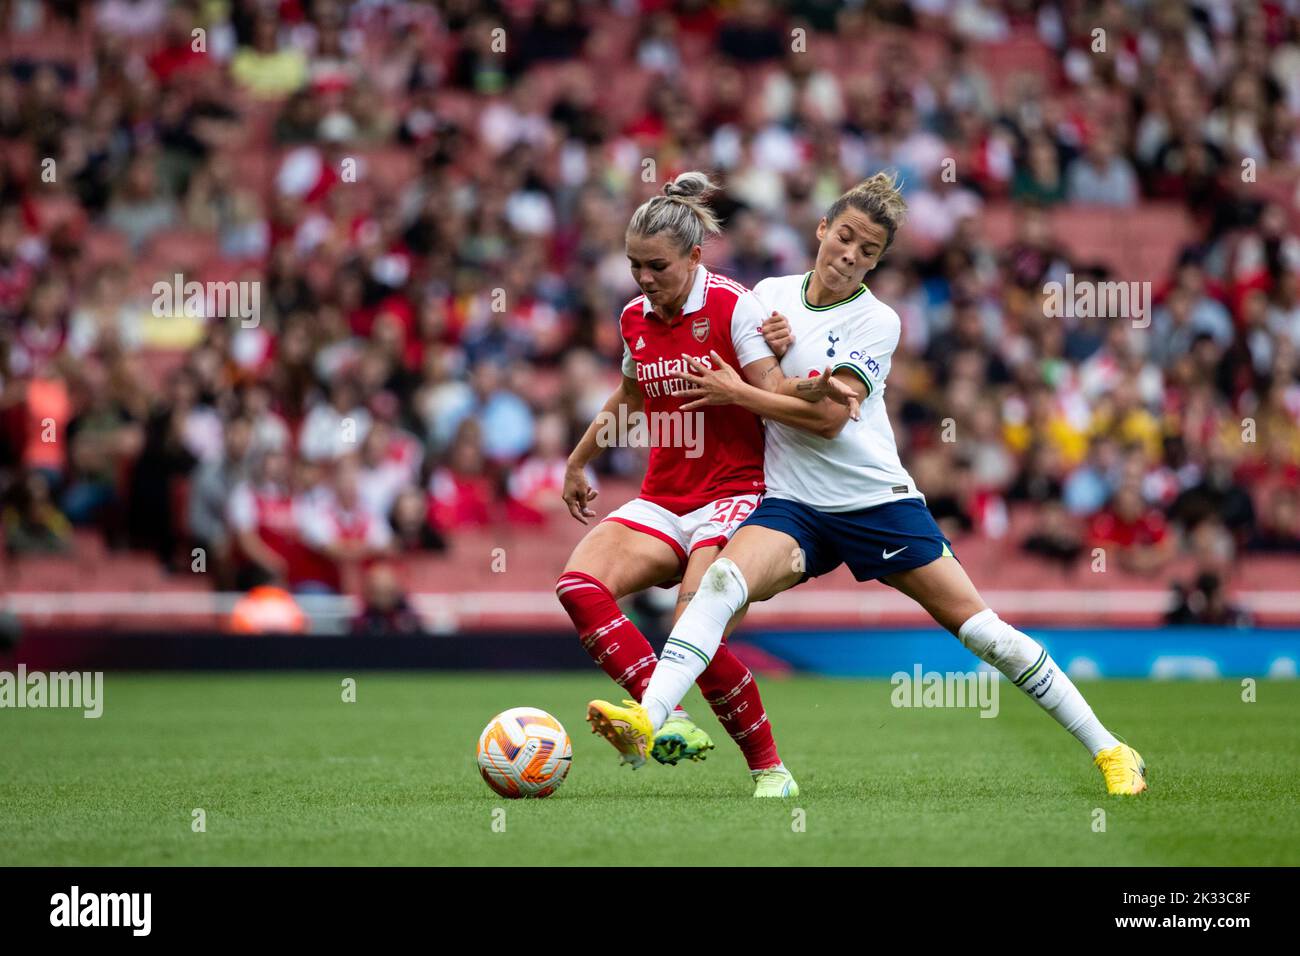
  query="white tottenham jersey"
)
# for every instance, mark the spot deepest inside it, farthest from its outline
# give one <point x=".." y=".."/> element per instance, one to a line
<point x="859" y="467"/>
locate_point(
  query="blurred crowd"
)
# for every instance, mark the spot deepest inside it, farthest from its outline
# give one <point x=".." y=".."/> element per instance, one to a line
<point x="427" y="352"/>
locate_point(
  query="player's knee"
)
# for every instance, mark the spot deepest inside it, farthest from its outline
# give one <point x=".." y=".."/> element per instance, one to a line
<point x="957" y="617"/>
<point x="980" y="632"/>
<point x="996" y="642"/>
<point x="724" y="577"/>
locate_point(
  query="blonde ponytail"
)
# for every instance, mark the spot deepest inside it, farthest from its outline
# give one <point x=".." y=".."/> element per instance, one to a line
<point x="680" y="212"/>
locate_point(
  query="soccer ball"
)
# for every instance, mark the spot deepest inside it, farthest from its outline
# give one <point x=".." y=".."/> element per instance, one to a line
<point x="524" y="752"/>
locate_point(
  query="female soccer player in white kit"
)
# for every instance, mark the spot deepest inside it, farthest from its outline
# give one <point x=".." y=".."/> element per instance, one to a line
<point x="696" y="493"/>
<point x="840" y="495"/>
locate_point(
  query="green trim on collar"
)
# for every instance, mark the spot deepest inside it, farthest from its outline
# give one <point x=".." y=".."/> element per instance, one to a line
<point x="803" y="294"/>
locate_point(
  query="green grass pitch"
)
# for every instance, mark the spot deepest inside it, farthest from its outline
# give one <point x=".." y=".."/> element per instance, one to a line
<point x="288" y="773"/>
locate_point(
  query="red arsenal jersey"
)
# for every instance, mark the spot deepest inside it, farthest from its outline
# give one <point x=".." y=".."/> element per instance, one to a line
<point x="713" y="452"/>
<point x="272" y="512"/>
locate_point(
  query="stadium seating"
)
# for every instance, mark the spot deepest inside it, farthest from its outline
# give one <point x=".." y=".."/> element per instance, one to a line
<point x="568" y="270"/>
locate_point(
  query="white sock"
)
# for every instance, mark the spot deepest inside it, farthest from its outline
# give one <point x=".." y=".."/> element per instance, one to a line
<point x="1022" y="660"/>
<point x="695" y="638"/>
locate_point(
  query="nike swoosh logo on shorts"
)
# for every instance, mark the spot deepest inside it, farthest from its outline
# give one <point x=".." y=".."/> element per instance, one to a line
<point x="889" y="554"/>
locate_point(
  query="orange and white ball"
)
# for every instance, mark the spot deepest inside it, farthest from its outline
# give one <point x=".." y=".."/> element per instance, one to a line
<point x="524" y="752"/>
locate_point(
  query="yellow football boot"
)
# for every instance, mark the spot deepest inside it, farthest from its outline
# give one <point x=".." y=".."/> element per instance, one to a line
<point x="1123" y="768"/>
<point x="628" y="728"/>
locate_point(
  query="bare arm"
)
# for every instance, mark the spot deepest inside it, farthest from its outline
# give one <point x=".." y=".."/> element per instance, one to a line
<point x="766" y="374"/>
<point x="821" y="405"/>
<point x="779" y="338"/>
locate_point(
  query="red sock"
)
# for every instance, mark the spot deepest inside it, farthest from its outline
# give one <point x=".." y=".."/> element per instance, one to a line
<point x="613" y="641"/>
<point x="732" y="692"/>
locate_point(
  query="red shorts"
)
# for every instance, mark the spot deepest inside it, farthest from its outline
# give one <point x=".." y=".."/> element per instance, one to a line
<point x="711" y="525"/>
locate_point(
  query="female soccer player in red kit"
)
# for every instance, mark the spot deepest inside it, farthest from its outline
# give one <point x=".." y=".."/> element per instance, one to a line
<point x="704" y="476"/>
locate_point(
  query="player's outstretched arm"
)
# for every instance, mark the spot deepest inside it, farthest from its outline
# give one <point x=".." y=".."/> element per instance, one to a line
<point x="777" y="334"/>
<point x="837" y="388"/>
<point x="721" y="385"/>
<point x="767" y="375"/>
<point x="577" y="490"/>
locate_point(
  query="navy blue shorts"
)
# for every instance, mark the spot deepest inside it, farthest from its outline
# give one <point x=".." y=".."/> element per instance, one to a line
<point x="873" y="542"/>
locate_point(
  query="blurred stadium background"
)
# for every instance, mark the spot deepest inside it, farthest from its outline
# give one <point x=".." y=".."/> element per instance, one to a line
<point x="429" y="199"/>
